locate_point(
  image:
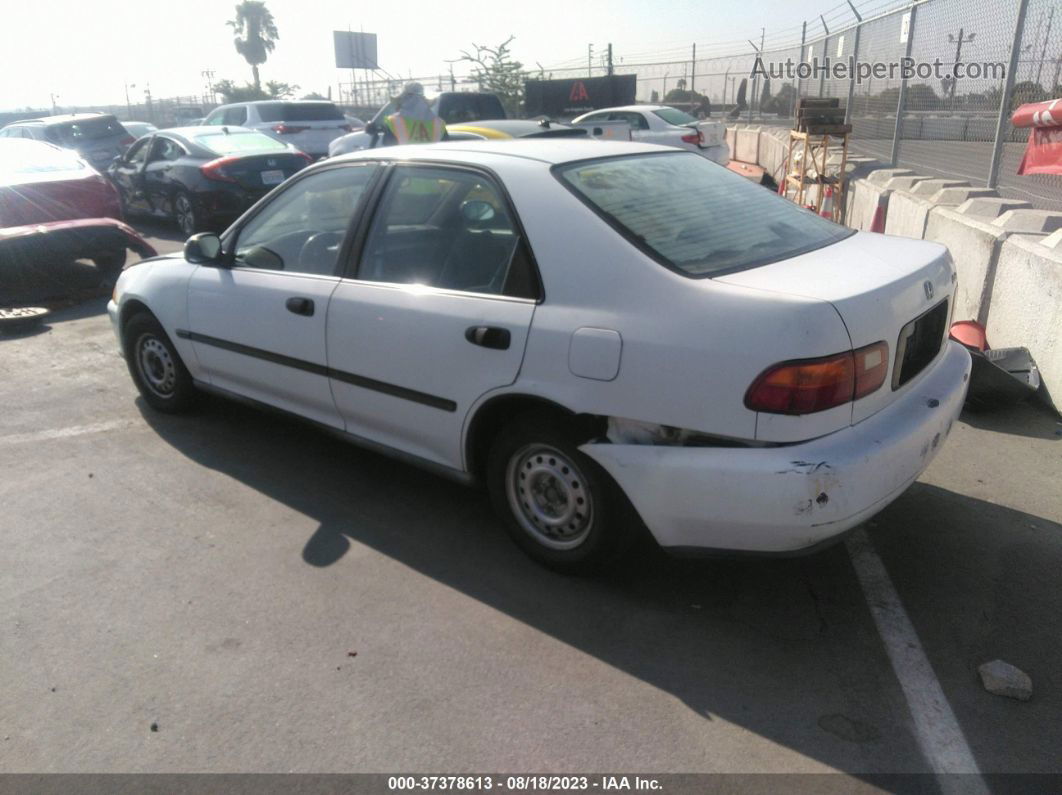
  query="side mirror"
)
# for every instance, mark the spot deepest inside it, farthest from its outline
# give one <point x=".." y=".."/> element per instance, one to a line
<point x="203" y="249"/>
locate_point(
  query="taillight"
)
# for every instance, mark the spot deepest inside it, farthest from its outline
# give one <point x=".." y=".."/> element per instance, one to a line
<point x="215" y="169"/>
<point x="692" y="138"/>
<point x="810" y="385"/>
<point x="304" y="156"/>
<point x="287" y="129"/>
<point x="871" y="366"/>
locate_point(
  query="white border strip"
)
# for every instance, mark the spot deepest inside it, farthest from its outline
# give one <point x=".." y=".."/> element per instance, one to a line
<point x="938" y="733"/>
<point x="63" y="433"/>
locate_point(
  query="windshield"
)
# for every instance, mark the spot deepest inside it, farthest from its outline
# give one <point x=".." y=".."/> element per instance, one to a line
<point x="95" y="129"/>
<point x="223" y="144"/>
<point x="675" y="116"/>
<point x="695" y="216"/>
<point x="299" y="111"/>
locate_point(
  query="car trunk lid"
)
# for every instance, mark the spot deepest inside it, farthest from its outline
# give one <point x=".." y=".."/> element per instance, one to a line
<point x="260" y="173"/>
<point x="887" y="289"/>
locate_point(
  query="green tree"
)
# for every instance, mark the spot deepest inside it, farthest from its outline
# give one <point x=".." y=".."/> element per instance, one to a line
<point x="278" y="90"/>
<point x="497" y="73"/>
<point x="231" y="92"/>
<point x="314" y="95"/>
<point x="255" y="34"/>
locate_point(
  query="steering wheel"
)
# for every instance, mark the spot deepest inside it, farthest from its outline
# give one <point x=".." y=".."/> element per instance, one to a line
<point x="320" y="246"/>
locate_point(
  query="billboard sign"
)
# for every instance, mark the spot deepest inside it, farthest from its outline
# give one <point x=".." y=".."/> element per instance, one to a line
<point x="570" y="97"/>
<point x="355" y="50"/>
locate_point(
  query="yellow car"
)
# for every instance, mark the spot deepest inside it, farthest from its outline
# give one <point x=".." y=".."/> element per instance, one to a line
<point x="501" y="129"/>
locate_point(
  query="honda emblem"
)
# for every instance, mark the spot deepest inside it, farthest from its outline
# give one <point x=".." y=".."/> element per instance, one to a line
<point x="272" y="163"/>
<point x="928" y="287"/>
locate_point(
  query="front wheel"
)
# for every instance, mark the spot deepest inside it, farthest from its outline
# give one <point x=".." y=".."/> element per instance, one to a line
<point x="559" y="505"/>
<point x="156" y="367"/>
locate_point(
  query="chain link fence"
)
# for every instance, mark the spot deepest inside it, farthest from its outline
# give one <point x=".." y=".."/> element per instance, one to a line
<point x="947" y="127"/>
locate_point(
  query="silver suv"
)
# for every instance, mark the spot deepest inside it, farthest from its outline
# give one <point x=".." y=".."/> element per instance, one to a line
<point x="307" y="125"/>
<point x="97" y="137"/>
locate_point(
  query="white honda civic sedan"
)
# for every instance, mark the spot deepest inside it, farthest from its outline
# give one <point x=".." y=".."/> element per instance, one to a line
<point x="610" y="336"/>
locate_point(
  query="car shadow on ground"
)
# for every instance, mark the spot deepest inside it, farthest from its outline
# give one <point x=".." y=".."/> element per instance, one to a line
<point x="157" y="228"/>
<point x="782" y="647"/>
<point x="1032" y="418"/>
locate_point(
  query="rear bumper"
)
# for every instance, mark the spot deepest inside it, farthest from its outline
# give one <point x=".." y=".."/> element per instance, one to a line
<point x="59" y="240"/>
<point x="718" y="154"/>
<point x="786" y="499"/>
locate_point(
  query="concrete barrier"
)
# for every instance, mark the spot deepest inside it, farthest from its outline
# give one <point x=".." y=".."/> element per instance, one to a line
<point x="975" y="243"/>
<point x="991" y="207"/>
<point x="909" y="210"/>
<point x="747" y="145"/>
<point x="1027" y="303"/>
<point x="866" y="196"/>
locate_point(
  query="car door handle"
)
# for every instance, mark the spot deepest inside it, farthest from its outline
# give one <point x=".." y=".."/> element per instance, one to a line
<point x="300" y="306"/>
<point x="489" y="337"/>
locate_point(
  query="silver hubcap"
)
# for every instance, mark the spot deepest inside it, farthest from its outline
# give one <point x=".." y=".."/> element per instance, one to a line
<point x="156" y="366"/>
<point x="185" y="217"/>
<point x="549" y="496"/>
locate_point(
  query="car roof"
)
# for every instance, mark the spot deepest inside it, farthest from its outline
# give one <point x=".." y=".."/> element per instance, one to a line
<point x="551" y="151"/>
<point x="277" y="102"/>
<point x="63" y="118"/>
<point x="630" y="108"/>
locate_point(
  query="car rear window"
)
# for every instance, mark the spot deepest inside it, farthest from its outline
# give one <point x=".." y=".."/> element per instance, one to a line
<point x="675" y="116"/>
<point x="232" y="142"/>
<point x="299" y="111"/>
<point x="73" y="133"/>
<point x="694" y="216"/>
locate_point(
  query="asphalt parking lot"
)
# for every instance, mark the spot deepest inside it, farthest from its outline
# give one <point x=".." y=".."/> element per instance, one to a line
<point x="235" y="591"/>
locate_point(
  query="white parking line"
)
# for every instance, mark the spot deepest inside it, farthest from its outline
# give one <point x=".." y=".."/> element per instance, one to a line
<point x="938" y="733"/>
<point x="63" y="433"/>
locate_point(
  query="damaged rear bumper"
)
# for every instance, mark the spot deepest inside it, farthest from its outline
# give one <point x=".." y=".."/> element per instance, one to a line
<point x="75" y="239"/>
<point x="786" y="499"/>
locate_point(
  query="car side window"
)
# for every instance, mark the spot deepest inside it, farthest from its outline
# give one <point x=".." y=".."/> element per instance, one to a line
<point x="137" y="153"/>
<point x="236" y="116"/>
<point x="635" y="120"/>
<point x="216" y="117"/>
<point x="302" y="229"/>
<point x="165" y="149"/>
<point x="447" y="228"/>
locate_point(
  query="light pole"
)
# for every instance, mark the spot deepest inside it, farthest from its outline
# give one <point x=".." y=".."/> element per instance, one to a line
<point x="128" y="104"/>
<point x="959" y="41"/>
<point x="55" y="109"/>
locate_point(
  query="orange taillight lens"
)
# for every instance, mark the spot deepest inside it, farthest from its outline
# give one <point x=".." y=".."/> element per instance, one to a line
<point x="809" y="385"/>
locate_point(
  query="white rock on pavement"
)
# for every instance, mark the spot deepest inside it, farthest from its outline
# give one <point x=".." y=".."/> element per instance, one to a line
<point x="1003" y="679"/>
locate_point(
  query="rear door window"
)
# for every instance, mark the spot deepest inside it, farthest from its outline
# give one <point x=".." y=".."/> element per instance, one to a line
<point x="693" y="216"/>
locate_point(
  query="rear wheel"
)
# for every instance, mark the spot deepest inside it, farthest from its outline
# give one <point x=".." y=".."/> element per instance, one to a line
<point x="155" y="365"/>
<point x="189" y="218"/>
<point x="559" y="505"/>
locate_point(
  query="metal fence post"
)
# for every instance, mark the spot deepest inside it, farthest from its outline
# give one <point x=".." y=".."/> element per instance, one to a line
<point x="1004" y="100"/>
<point x="800" y="60"/>
<point x="855" y="57"/>
<point x="901" y="100"/>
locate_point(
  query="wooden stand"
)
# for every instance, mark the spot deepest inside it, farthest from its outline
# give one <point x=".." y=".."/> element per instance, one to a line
<point x="816" y="147"/>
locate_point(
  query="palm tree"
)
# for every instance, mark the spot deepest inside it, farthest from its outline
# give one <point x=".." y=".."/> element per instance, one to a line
<point x="256" y="34"/>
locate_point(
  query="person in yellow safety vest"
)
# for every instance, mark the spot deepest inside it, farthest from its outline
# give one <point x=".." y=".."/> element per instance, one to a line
<point x="414" y="122"/>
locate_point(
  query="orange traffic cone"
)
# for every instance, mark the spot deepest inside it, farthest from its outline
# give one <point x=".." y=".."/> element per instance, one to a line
<point x="827" y="204"/>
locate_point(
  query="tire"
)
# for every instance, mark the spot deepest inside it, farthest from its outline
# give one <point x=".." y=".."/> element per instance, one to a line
<point x="559" y="506"/>
<point x="156" y="367"/>
<point x="189" y="218"/>
<point x="110" y="264"/>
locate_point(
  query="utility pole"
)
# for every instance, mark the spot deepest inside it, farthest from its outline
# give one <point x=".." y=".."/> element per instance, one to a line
<point x="693" y="70"/>
<point x="55" y="109"/>
<point x="959" y="41"/>
<point x="610" y="59"/>
<point x="208" y="74"/>
<point x="589" y="60"/>
<point x="128" y="104"/>
<point x="453" y="82"/>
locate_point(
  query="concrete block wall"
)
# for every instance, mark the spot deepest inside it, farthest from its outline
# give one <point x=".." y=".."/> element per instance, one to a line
<point x="975" y="243"/>
<point x="909" y="210"/>
<point x="1027" y="303"/>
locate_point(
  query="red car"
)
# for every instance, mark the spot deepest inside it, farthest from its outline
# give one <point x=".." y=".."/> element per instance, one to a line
<point x="56" y="207"/>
